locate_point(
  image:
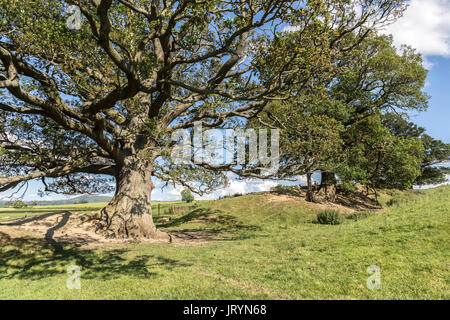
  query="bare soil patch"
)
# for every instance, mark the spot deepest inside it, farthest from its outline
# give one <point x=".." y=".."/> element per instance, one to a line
<point x="346" y="203"/>
<point x="61" y="229"/>
<point x="71" y="229"/>
<point x="191" y="237"/>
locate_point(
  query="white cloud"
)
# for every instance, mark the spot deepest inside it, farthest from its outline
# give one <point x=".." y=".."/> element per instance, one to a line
<point x="265" y="185"/>
<point x="291" y="28"/>
<point x="301" y="180"/>
<point x="174" y="192"/>
<point x="430" y="186"/>
<point x="166" y="194"/>
<point x="235" y="186"/>
<point x="425" y="26"/>
<point x="251" y="185"/>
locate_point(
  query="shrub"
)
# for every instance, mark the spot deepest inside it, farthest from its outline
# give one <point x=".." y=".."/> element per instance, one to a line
<point x="348" y="187"/>
<point x="329" y="217"/>
<point x="391" y="193"/>
<point x="391" y="202"/>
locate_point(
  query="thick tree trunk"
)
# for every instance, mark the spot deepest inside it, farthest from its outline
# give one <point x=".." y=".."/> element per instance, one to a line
<point x="309" y="191"/>
<point x="328" y="184"/>
<point x="129" y="214"/>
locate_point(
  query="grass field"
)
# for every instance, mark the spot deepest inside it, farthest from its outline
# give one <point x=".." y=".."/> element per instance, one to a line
<point x="9" y="213"/>
<point x="250" y="248"/>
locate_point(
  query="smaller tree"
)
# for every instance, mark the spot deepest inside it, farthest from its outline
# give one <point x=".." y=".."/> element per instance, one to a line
<point x="309" y="142"/>
<point x="187" y="196"/>
<point x="377" y="159"/>
<point x="435" y="151"/>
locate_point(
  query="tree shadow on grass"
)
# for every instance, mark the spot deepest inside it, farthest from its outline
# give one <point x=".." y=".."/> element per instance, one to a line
<point x="25" y="257"/>
<point x="356" y="200"/>
<point x="216" y="225"/>
<point x="25" y="220"/>
<point x="33" y="258"/>
<point x="61" y="221"/>
<point x="295" y="191"/>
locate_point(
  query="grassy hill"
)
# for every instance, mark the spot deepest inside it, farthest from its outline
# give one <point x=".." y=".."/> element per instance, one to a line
<point x="259" y="246"/>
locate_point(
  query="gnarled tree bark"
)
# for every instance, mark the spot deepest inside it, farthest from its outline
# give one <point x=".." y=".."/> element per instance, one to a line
<point x="328" y="184"/>
<point x="129" y="214"/>
<point x="309" y="192"/>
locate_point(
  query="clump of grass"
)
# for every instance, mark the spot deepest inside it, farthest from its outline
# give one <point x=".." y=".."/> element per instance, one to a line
<point x="329" y="217"/>
<point x="234" y="195"/>
<point x="392" y="202"/>
<point x="359" y="215"/>
<point x="391" y="193"/>
<point x="280" y="188"/>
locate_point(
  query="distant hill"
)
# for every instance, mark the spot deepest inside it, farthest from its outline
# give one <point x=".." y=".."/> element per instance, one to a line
<point x="83" y="198"/>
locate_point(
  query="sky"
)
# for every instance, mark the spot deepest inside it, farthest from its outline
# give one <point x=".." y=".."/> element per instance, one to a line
<point x="424" y="26"/>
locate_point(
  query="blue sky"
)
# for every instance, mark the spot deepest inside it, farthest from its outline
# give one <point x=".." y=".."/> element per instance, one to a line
<point x="437" y="118"/>
<point x="426" y="27"/>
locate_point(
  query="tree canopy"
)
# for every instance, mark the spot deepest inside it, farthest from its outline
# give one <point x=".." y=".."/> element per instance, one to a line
<point x="435" y="151"/>
<point x="343" y="122"/>
<point x="103" y="98"/>
<point x="187" y="196"/>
